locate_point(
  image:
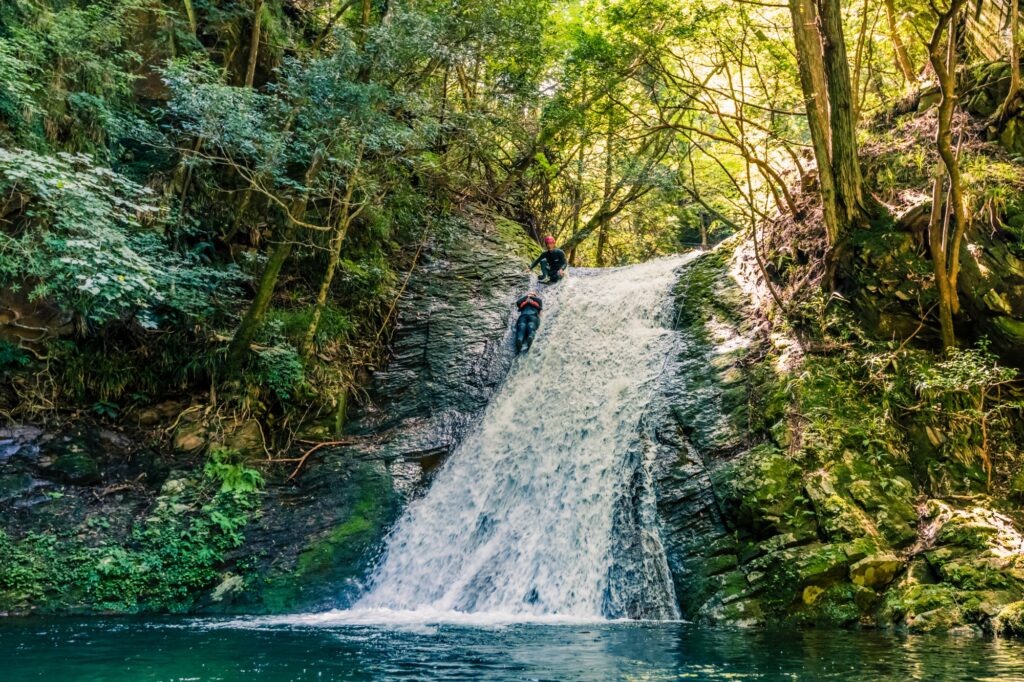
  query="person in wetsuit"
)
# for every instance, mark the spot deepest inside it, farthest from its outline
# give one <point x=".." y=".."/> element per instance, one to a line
<point x="552" y="262"/>
<point x="529" y="307"/>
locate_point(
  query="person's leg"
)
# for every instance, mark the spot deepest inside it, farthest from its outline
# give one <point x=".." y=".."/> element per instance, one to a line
<point x="544" y="274"/>
<point x="521" y="329"/>
<point x="532" y="322"/>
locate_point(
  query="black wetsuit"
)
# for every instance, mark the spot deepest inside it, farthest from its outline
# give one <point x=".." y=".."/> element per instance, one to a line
<point x="529" y="319"/>
<point x="551" y="262"/>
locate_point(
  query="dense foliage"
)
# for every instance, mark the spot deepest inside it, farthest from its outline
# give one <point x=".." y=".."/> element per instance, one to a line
<point x="209" y="209"/>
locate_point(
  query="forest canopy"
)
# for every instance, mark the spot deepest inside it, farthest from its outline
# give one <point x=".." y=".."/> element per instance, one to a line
<point x="250" y="179"/>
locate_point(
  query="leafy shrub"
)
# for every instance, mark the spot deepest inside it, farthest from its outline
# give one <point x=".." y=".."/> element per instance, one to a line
<point x="280" y="369"/>
<point x="226" y="467"/>
<point x="79" y="240"/>
<point x="961" y="402"/>
<point x="335" y="324"/>
<point x="12" y="357"/>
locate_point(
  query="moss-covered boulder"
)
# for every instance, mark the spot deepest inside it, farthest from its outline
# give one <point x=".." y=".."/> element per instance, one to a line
<point x="875" y="571"/>
<point x="762" y="492"/>
<point x="1010" y="620"/>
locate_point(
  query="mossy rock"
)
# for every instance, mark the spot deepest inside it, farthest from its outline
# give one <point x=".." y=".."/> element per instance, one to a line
<point x="1010" y="620"/>
<point x="929" y="98"/>
<point x="970" y="532"/>
<point x="15" y="485"/>
<point x="836" y="515"/>
<point x="762" y="492"/>
<point x="742" y="613"/>
<point x="839" y="605"/>
<point x="922" y="607"/>
<point x="876" y="571"/>
<point x="820" y="563"/>
<point x="327" y="569"/>
<point x="981" y="104"/>
<point x="978" y="574"/>
<point x="78" y="468"/>
<point x="784" y="576"/>
<point x="1012" y="136"/>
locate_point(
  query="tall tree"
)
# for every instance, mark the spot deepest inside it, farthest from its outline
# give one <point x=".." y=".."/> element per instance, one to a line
<point x="951" y="213"/>
<point x="1011" y="103"/>
<point x="902" y="56"/>
<point x="828" y="95"/>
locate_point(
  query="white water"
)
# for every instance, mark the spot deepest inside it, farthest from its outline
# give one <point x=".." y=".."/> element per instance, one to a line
<point x="525" y="522"/>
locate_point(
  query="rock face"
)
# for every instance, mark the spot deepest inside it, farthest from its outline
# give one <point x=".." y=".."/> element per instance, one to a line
<point x="305" y="543"/>
<point x="990" y="285"/>
<point x="762" y="526"/>
<point x="451" y="351"/>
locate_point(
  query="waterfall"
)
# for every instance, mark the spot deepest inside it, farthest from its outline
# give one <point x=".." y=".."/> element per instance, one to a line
<point x="546" y="508"/>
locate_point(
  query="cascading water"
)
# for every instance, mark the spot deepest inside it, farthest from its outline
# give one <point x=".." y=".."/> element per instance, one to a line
<point x="526" y="518"/>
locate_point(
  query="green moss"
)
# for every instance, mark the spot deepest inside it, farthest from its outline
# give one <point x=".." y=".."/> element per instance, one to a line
<point x="513" y="235"/>
<point x="328" y="565"/>
<point x="342" y="542"/>
<point x="762" y="491"/>
<point x="1010" y="620"/>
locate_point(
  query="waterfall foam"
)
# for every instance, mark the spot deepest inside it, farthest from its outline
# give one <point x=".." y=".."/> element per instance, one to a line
<point x="521" y="521"/>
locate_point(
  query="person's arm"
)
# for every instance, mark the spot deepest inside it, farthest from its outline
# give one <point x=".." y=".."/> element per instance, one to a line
<point x="536" y="260"/>
<point x="519" y="302"/>
<point x="565" y="263"/>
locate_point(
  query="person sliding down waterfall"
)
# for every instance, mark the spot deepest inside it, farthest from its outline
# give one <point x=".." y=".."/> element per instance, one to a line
<point x="552" y="262"/>
<point x="529" y="307"/>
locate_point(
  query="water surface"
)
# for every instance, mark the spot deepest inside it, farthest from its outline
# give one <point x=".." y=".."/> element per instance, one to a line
<point x="259" y="649"/>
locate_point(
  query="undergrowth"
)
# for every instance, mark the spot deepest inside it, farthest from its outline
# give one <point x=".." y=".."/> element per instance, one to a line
<point x="175" y="553"/>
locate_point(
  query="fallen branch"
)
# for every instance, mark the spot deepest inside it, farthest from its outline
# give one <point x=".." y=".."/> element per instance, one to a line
<point x="301" y="460"/>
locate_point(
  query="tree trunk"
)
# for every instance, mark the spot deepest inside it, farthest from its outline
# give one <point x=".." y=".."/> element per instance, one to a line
<point x="1014" y="51"/>
<point x="945" y="248"/>
<point x="606" y="196"/>
<point x="257" y="310"/>
<point x="190" y="12"/>
<point x="812" y="83"/>
<point x="858" y="61"/>
<point x="936" y="246"/>
<point x="944" y="64"/>
<point x="902" y="56"/>
<point x="845" y="165"/>
<point x="337" y="241"/>
<point x="254" y="43"/>
<point x="577" y="204"/>
<point x="1010" y="105"/>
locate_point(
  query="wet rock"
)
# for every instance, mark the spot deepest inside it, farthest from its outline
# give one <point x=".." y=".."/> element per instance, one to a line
<point x="76" y="467"/>
<point x="191" y="436"/>
<point x="246" y="439"/>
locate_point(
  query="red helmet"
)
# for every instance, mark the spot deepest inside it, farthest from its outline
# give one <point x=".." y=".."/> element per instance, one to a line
<point x="549" y="239"/>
